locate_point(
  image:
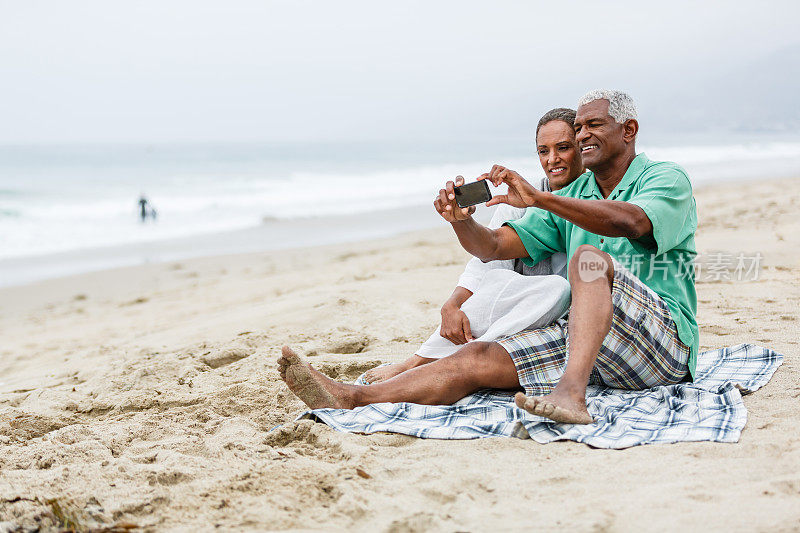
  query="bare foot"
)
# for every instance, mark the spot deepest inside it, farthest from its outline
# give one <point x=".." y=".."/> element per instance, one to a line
<point x="382" y="373"/>
<point x="315" y="389"/>
<point x="556" y="406"/>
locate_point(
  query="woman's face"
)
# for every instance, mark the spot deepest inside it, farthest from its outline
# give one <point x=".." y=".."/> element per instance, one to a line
<point x="558" y="153"/>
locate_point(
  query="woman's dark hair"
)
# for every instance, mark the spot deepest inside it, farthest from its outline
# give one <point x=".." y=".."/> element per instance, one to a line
<point x="563" y="114"/>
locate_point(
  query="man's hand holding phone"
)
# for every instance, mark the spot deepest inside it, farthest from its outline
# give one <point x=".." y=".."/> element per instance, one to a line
<point x="455" y="194"/>
<point x="447" y="206"/>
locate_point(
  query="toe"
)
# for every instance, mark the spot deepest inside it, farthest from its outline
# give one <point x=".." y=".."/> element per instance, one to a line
<point x="289" y="355"/>
<point x="530" y="404"/>
<point x="540" y="407"/>
<point x="522" y="401"/>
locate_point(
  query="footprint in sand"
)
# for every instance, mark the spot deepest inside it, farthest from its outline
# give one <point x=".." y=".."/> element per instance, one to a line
<point x="420" y="521"/>
<point x="169" y="477"/>
<point x="137" y="301"/>
<point x="717" y="330"/>
<point x="349" y="346"/>
<point x="219" y="358"/>
<point x="347" y="371"/>
<point x="345" y="256"/>
<point x="27" y="426"/>
<point x="307" y="437"/>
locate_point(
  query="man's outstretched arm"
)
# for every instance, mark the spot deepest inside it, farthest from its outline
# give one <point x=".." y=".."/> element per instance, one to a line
<point x="611" y="218"/>
<point x="484" y="243"/>
<point x="487" y="244"/>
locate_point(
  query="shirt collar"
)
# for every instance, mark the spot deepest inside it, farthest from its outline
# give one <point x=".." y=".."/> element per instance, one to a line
<point x="635" y="169"/>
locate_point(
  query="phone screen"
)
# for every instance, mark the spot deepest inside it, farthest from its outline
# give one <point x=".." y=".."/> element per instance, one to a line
<point x="472" y="193"/>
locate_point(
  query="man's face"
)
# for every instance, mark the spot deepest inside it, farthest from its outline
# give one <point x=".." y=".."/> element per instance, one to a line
<point x="599" y="136"/>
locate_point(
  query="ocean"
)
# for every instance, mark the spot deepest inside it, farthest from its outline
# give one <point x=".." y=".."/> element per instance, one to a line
<point x="57" y="199"/>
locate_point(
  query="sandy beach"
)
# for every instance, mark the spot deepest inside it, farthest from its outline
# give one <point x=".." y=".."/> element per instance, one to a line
<point x="149" y="396"/>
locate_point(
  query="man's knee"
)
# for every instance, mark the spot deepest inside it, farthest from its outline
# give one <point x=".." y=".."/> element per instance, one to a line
<point x="589" y="264"/>
<point x="475" y="352"/>
<point x="480" y="357"/>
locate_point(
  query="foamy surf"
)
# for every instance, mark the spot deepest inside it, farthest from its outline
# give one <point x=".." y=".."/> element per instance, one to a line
<point x="86" y="199"/>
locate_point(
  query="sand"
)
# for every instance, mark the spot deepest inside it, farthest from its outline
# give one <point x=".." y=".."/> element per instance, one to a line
<point x="149" y="395"/>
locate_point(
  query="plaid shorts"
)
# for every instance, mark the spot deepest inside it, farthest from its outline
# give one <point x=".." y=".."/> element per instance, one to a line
<point x="642" y="349"/>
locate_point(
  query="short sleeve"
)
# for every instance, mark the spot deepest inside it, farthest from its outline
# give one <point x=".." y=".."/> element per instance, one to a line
<point x="503" y="213"/>
<point x="540" y="233"/>
<point x="665" y="196"/>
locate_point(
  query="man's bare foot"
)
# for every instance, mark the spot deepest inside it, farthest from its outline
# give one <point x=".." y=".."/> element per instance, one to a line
<point x="382" y="373"/>
<point x="556" y="406"/>
<point x="315" y="389"/>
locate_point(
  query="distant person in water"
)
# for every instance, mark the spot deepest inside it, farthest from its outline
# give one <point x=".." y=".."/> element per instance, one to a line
<point x="146" y="209"/>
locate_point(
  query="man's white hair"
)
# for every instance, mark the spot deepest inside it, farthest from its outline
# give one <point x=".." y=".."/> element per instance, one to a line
<point x="620" y="105"/>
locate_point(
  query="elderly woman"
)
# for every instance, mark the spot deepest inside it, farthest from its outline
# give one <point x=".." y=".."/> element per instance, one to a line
<point x="489" y="298"/>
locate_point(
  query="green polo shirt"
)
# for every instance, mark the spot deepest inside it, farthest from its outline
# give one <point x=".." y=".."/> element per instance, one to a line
<point x="663" y="260"/>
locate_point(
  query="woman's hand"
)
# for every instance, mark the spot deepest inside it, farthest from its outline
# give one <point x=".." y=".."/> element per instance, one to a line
<point x="455" y="325"/>
<point x="520" y="192"/>
<point x="446" y="205"/>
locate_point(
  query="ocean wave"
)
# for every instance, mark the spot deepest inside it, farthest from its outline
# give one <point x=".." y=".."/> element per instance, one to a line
<point x="62" y="208"/>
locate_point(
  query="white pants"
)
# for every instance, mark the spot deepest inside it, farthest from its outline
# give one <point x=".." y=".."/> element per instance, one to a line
<point x="506" y="303"/>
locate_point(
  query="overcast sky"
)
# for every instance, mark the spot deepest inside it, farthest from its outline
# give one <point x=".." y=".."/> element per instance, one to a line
<point x="192" y="70"/>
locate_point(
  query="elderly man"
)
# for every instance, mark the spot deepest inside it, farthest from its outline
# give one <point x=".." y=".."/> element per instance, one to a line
<point x="628" y="227"/>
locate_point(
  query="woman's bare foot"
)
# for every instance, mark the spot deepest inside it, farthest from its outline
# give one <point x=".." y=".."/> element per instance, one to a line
<point x="557" y="406"/>
<point x="315" y="389"/>
<point x="382" y="373"/>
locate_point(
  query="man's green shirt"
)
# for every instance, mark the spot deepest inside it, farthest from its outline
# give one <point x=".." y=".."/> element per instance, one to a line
<point x="663" y="260"/>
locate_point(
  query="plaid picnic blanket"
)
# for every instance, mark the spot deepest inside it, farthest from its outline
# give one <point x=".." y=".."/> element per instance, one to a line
<point x="709" y="409"/>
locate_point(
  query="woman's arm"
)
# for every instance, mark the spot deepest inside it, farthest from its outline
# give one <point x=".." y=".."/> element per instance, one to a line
<point x="455" y="324"/>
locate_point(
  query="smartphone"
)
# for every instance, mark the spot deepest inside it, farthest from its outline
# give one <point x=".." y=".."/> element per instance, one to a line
<point x="472" y="193"/>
